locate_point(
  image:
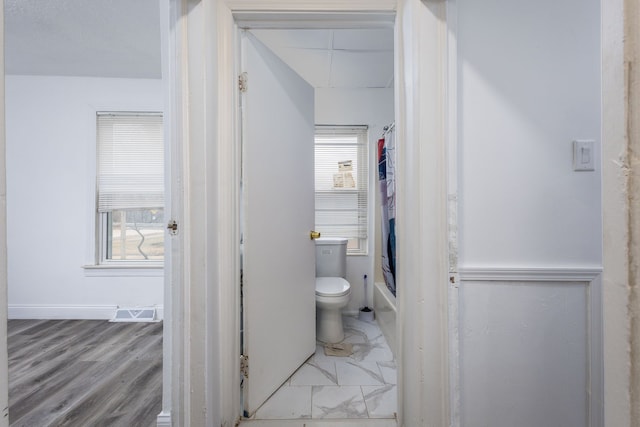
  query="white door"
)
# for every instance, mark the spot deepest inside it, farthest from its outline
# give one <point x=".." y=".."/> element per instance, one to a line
<point x="278" y="197"/>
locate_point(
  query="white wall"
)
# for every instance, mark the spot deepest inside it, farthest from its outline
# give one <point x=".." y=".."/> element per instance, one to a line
<point x="51" y="196"/>
<point x="525" y="354"/>
<point x="372" y="107"/>
<point x="528" y="84"/>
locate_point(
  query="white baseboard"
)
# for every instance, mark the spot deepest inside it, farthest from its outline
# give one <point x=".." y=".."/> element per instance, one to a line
<point x="164" y="419"/>
<point x="50" y="311"/>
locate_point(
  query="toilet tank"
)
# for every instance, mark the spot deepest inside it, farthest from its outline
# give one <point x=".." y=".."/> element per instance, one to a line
<point x="331" y="257"/>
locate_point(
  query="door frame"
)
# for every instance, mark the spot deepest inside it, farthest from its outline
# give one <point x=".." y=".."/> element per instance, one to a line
<point x="4" y="357"/>
<point x="202" y="362"/>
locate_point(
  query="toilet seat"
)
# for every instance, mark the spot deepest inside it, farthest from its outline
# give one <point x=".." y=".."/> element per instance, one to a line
<point x="332" y="286"/>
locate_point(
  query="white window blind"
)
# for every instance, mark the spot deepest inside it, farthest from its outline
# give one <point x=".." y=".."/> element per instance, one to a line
<point x="130" y="161"/>
<point x="341" y="184"/>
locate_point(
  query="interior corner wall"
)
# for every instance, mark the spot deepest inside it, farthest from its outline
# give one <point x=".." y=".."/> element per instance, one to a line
<point x="528" y="84"/>
<point x="51" y="138"/>
<point x="621" y="181"/>
<point x="632" y="40"/>
<point x="619" y="172"/>
<point x="375" y="108"/>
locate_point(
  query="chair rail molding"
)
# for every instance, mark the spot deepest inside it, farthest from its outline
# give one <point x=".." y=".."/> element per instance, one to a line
<point x="529" y="274"/>
<point x="590" y="277"/>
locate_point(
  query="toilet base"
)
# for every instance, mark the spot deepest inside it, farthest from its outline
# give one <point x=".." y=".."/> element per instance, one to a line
<point x="329" y="325"/>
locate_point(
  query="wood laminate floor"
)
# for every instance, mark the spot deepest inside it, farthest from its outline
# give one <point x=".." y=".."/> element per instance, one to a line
<point x="84" y="373"/>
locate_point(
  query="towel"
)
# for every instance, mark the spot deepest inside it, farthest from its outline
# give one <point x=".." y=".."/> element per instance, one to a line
<point x="344" y="349"/>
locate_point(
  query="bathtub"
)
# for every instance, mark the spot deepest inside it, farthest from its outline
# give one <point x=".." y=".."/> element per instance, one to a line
<point x="384" y="304"/>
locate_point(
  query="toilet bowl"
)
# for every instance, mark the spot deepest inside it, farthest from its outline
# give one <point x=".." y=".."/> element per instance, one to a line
<point x="332" y="294"/>
<point x="332" y="290"/>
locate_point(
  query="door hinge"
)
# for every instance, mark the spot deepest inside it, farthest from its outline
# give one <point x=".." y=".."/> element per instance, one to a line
<point x="173" y="227"/>
<point x="244" y="365"/>
<point x="243" y="82"/>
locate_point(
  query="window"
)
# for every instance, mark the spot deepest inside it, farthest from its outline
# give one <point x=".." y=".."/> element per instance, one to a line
<point x="342" y="184"/>
<point x="130" y="188"/>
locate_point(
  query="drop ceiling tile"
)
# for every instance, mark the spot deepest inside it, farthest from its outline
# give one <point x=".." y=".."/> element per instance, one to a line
<point x="361" y="69"/>
<point x="363" y="39"/>
<point x="358" y="62"/>
<point x="312" y="65"/>
<point x="308" y="39"/>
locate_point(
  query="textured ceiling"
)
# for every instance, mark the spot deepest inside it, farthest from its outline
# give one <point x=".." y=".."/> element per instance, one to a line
<point x="121" y="38"/>
<point x="107" y="38"/>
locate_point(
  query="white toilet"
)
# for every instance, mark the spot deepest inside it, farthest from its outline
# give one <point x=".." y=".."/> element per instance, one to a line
<point x="332" y="290"/>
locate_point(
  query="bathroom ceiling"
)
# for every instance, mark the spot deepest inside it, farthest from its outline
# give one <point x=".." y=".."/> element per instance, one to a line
<point x="344" y="58"/>
<point x="121" y="38"/>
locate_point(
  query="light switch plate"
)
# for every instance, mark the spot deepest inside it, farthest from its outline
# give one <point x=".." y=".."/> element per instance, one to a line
<point x="583" y="156"/>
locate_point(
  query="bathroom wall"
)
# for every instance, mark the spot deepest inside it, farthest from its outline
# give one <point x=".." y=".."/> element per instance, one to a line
<point x="50" y="123"/>
<point x="530" y="232"/>
<point x="372" y="107"/>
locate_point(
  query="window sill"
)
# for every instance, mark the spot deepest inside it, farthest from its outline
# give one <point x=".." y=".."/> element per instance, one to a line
<point x="123" y="270"/>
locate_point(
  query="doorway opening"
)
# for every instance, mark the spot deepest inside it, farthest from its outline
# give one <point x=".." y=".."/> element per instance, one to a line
<point x="422" y="210"/>
<point x="350" y="69"/>
<point x="95" y="98"/>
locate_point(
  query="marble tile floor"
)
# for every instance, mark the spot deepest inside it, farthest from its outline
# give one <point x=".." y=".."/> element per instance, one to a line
<point x="362" y="385"/>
